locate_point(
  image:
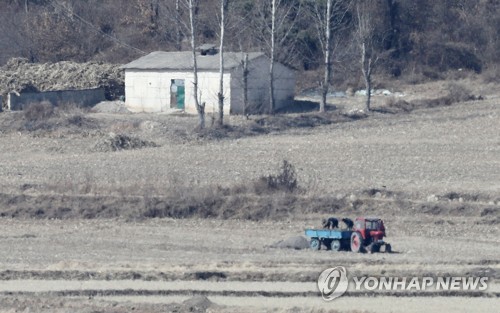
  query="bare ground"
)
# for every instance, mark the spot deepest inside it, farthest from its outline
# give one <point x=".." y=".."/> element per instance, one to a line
<point x="72" y="213"/>
<point x="165" y="260"/>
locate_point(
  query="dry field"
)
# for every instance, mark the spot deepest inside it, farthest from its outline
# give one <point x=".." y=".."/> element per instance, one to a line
<point x="77" y="233"/>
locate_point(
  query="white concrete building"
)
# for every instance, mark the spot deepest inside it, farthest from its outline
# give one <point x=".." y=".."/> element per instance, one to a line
<point x="161" y="81"/>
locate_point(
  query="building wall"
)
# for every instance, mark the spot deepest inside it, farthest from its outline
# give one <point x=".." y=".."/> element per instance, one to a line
<point x="284" y="86"/>
<point x="209" y="88"/>
<point x="83" y="98"/>
<point x="258" y="87"/>
<point x="149" y="90"/>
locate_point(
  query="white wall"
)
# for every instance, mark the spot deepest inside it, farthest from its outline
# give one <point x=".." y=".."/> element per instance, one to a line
<point x="258" y="86"/>
<point x="149" y="91"/>
<point x="209" y="88"/>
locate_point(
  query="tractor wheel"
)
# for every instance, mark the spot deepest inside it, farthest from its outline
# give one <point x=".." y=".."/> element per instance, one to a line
<point x="315" y="244"/>
<point x="335" y="245"/>
<point x="356" y="242"/>
<point x="388" y="248"/>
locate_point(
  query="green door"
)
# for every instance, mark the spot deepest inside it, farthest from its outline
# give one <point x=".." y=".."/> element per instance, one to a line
<point x="180" y="97"/>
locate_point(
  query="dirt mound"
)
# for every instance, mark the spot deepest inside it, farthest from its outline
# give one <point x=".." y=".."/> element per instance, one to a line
<point x="20" y="75"/>
<point x="197" y="304"/>
<point x="297" y="243"/>
<point x="110" y="107"/>
<point x="116" y="142"/>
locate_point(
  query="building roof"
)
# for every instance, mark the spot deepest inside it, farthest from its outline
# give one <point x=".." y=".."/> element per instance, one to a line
<point x="161" y="60"/>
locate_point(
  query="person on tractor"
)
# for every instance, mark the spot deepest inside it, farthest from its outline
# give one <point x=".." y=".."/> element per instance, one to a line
<point x="330" y="223"/>
<point x="348" y="223"/>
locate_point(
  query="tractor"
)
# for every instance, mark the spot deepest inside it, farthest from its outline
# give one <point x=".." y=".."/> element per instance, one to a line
<point x="367" y="234"/>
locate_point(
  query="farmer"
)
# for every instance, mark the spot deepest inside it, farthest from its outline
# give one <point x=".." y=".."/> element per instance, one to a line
<point x="348" y="223"/>
<point x="330" y="223"/>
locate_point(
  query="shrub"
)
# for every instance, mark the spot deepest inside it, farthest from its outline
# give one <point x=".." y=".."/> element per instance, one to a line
<point x="397" y="104"/>
<point x="117" y="142"/>
<point x="71" y="108"/>
<point x="446" y="56"/>
<point x="458" y="92"/>
<point x="492" y="74"/>
<point x="285" y="180"/>
<point x="39" y="111"/>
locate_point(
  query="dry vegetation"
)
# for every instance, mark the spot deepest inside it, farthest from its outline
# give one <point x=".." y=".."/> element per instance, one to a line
<point x="19" y="75"/>
<point x="212" y="213"/>
<point x="139" y="212"/>
<point x="186" y="191"/>
<point x="135" y="199"/>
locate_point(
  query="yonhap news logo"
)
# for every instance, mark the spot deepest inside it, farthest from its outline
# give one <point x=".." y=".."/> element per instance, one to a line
<point x="334" y="282"/>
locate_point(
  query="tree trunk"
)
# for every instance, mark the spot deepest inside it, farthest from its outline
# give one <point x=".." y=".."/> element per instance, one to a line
<point x="365" y="36"/>
<point x="155" y="12"/>
<point x="271" y="67"/>
<point x="328" y="47"/>
<point x="178" y="37"/>
<point x="368" y="84"/>
<point x="199" y="108"/>
<point x="366" y="67"/>
<point x="245" y="84"/>
<point x="220" y="95"/>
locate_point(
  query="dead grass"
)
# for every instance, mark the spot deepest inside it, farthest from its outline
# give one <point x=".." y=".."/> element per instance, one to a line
<point x="39" y="111"/>
<point x="21" y="75"/>
<point x="275" y="196"/>
<point x="43" y="117"/>
<point x="209" y="191"/>
<point x="491" y="74"/>
<point x="265" y="124"/>
<point x="285" y="180"/>
<point x="278" y="123"/>
<point x="219" y="203"/>
<point x="226" y="131"/>
<point x="117" y="142"/>
<point x="456" y="92"/>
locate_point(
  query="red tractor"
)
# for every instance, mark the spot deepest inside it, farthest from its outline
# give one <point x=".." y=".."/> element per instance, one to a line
<point x="364" y="234"/>
<point x="368" y="234"/>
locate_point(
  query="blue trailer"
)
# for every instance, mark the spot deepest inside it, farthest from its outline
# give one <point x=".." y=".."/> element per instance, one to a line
<point x="365" y="234"/>
<point x="334" y="239"/>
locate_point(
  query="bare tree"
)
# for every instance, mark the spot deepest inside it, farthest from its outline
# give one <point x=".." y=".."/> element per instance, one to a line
<point x="241" y="26"/>
<point x="246" y="71"/>
<point x="328" y="15"/>
<point x="327" y="48"/>
<point x="272" y="55"/>
<point x="178" y="30"/>
<point x="273" y="25"/>
<point x="220" y="95"/>
<point x="365" y="36"/>
<point x="283" y="18"/>
<point x="171" y="22"/>
<point x="23" y="3"/>
<point x="200" y="108"/>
